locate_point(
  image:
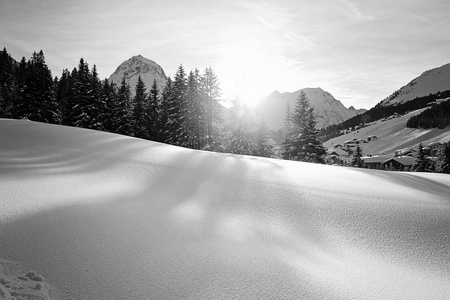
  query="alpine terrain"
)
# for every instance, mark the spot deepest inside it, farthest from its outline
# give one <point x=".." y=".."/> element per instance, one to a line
<point x="327" y="109"/>
<point x="430" y="82"/>
<point x="139" y="66"/>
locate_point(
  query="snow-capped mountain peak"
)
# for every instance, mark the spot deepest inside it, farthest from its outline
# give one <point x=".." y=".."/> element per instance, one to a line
<point x="137" y="66"/>
<point x="430" y="82"/>
<point x="327" y="109"/>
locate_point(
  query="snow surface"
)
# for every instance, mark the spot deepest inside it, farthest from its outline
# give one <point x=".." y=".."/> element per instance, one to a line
<point x="104" y="216"/>
<point x="393" y="135"/>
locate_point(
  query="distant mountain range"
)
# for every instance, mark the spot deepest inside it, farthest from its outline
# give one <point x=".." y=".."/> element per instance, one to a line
<point x="430" y="82"/>
<point x="328" y="110"/>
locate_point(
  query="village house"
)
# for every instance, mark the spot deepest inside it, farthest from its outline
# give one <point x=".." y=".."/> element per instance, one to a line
<point x="399" y="163"/>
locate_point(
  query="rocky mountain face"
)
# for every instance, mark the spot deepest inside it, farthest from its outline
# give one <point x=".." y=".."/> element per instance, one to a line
<point x="139" y="66"/>
<point x="430" y="82"/>
<point x="327" y="109"/>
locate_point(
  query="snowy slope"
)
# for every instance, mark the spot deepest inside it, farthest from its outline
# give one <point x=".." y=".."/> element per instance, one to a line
<point x="104" y="216"/>
<point x="430" y="82"/>
<point x="139" y="66"/>
<point x="327" y="109"/>
<point x="393" y="135"/>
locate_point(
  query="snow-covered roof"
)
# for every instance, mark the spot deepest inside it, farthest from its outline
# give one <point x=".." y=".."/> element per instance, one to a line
<point x="404" y="160"/>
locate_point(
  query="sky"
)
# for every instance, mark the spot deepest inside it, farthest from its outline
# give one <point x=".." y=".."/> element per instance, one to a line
<point x="359" y="51"/>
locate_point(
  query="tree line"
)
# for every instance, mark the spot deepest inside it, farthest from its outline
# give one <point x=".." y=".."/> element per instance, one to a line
<point x="185" y="112"/>
<point x="437" y="116"/>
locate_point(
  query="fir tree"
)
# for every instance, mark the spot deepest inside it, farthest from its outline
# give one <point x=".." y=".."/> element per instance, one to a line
<point x="154" y="113"/>
<point x="211" y="89"/>
<point x="356" y="161"/>
<point x="8" y="84"/>
<point x="139" y="120"/>
<point x="177" y="123"/>
<point x="123" y="109"/>
<point x="243" y="137"/>
<point x="304" y="144"/>
<point x="36" y="98"/>
<point x="421" y="163"/>
<point x="265" y="149"/>
<point x="443" y="159"/>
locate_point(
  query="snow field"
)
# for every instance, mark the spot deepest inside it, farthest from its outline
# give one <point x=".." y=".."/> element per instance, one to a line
<point x="104" y="216"/>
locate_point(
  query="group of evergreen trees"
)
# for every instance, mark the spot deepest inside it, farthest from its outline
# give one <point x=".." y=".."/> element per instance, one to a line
<point x="186" y="112"/>
<point x="437" y="116"/>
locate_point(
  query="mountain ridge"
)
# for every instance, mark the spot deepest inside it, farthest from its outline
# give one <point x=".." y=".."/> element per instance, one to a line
<point x="429" y="82"/>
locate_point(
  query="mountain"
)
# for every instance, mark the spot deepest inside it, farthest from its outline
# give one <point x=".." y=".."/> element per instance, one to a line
<point x="105" y="216"/>
<point x="430" y="82"/>
<point x="327" y="109"/>
<point x="139" y="66"/>
<point x="392" y="135"/>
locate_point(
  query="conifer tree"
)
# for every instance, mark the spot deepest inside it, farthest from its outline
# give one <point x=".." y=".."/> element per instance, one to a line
<point x="109" y="99"/>
<point x="139" y="120"/>
<point x="265" y="149"/>
<point x="177" y="123"/>
<point x="36" y="98"/>
<point x="443" y="161"/>
<point x="154" y="113"/>
<point x="166" y="102"/>
<point x="211" y="89"/>
<point x="421" y="163"/>
<point x="8" y="84"/>
<point x="122" y="109"/>
<point x="243" y="137"/>
<point x="305" y="144"/>
<point x="356" y="161"/>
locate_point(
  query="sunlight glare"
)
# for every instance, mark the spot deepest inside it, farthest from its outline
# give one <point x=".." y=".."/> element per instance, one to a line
<point x="247" y="72"/>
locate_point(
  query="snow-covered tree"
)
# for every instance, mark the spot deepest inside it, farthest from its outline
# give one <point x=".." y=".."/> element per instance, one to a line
<point x="303" y="143"/>
<point x="36" y="98"/>
<point x="139" y="117"/>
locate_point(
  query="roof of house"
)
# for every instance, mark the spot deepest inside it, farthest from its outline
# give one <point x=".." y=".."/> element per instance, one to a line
<point x="375" y="159"/>
<point x="338" y="152"/>
<point x="404" y="160"/>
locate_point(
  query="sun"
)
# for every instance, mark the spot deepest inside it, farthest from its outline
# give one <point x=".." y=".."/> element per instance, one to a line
<point x="246" y="73"/>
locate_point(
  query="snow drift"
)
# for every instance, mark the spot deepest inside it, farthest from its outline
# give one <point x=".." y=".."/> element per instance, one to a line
<point x="104" y="216"/>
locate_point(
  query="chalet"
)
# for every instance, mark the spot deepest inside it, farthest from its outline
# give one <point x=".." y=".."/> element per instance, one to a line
<point x="338" y="156"/>
<point x="374" y="162"/>
<point x="406" y="152"/>
<point x="372" y="138"/>
<point x="399" y="163"/>
<point x="338" y="146"/>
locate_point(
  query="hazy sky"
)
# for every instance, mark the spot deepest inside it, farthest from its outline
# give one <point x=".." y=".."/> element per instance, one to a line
<point x="359" y="51"/>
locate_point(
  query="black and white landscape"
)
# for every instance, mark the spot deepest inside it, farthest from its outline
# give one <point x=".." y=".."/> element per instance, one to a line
<point x="224" y="149"/>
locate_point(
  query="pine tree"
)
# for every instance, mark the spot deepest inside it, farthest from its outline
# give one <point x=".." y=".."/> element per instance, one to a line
<point x="122" y="109"/>
<point x="211" y="89"/>
<point x="108" y="97"/>
<point x="421" y="163"/>
<point x="356" y="161"/>
<point x="265" y="149"/>
<point x="8" y="84"/>
<point x="289" y="135"/>
<point x="304" y="144"/>
<point x="177" y="123"/>
<point x="166" y="103"/>
<point x="243" y="137"/>
<point x="139" y="120"/>
<point x="36" y="98"/>
<point x="443" y="161"/>
<point x="154" y="113"/>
